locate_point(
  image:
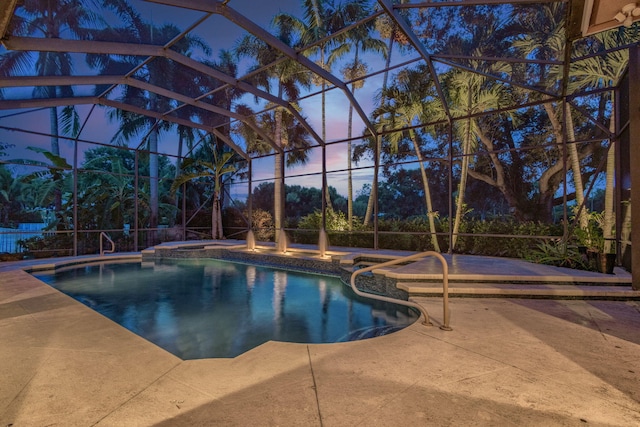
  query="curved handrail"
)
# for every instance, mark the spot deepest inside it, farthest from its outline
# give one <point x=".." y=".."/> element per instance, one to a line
<point x="445" y="286"/>
<point x="106" y="251"/>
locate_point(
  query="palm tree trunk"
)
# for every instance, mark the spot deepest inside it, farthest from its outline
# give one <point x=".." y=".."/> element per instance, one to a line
<point x="278" y="184"/>
<point x="153" y="179"/>
<point x="216" y="217"/>
<point x="609" y="218"/>
<point x="324" y="125"/>
<point x="55" y="150"/>
<point x="177" y="174"/>
<point x="372" y="194"/>
<point x="460" y="208"/>
<point x="385" y="80"/>
<point x="574" y="158"/>
<point x="349" y="151"/>
<point x="427" y="193"/>
<point x="55" y="142"/>
<point x="349" y="173"/>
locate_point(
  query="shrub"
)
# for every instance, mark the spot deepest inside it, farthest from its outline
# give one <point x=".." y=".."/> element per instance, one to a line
<point x="558" y="253"/>
<point x="263" y="227"/>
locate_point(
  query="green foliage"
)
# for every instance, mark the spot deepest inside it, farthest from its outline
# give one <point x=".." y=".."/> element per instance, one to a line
<point x="299" y="201"/>
<point x="262" y="225"/>
<point x="513" y="239"/>
<point x="10" y="196"/>
<point x="308" y="227"/>
<point x="591" y="236"/>
<point x="516" y="247"/>
<point x="236" y="223"/>
<point x="335" y="221"/>
<point x="558" y="253"/>
<point x="415" y="234"/>
<point x="55" y="244"/>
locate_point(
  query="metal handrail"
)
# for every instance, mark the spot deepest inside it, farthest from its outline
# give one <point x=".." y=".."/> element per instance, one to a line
<point x="445" y="286"/>
<point x="106" y="251"/>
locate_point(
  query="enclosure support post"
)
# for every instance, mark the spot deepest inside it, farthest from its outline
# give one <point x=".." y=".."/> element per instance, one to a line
<point x="450" y="198"/>
<point x="250" y="196"/>
<point x="136" y="210"/>
<point x="374" y="190"/>
<point x="184" y="211"/>
<point x="634" y="150"/>
<point x="325" y="188"/>
<point x="75" y="197"/>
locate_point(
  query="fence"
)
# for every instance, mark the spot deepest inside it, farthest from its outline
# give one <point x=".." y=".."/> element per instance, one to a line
<point x="9" y="237"/>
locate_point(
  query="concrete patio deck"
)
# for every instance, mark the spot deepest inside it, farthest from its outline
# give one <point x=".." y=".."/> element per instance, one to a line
<point x="507" y="362"/>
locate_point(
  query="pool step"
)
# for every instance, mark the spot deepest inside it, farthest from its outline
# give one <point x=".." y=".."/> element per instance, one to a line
<point x="371" y="332"/>
<point x="521" y="290"/>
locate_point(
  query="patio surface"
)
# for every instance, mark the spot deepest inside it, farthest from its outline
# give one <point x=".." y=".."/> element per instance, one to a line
<point x="507" y="362"/>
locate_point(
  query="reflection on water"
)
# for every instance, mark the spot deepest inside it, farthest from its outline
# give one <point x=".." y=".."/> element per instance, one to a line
<point x="208" y="308"/>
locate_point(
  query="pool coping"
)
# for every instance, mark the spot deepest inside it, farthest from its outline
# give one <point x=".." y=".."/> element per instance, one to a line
<point x="506" y="362"/>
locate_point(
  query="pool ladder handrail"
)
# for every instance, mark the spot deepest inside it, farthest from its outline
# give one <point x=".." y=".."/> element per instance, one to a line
<point x="445" y="286"/>
<point x="113" y="245"/>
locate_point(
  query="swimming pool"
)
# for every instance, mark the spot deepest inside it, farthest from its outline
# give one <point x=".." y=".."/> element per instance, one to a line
<point x="202" y="308"/>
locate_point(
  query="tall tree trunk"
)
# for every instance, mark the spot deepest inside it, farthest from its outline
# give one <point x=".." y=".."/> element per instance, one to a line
<point x="278" y="184"/>
<point x="216" y="218"/>
<point x="349" y="173"/>
<point x="385" y="80"/>
<point x="324" y="124"/>
<point x="176" y="202"/>
<point x="574" y="158"/>
<point x="55" y="141"/>
<point x="499" y="180"/>
<point x="349" y="153"/>
<point x="460" y="207"/>
<point x="427" y="193"/>
<point x="609" y="217"/>
<point x="55" y="150"/>
<point x="153" y="180"/>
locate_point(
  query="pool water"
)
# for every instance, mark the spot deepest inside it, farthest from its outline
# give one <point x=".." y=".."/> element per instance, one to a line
<point x="201" y="308"/>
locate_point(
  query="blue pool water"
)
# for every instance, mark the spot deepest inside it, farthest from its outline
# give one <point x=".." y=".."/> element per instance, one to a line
<point x="202" y="308"/>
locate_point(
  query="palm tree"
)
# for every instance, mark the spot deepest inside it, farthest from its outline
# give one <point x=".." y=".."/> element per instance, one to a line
<point x="405" y="106"/>
<point x="223" y="98"/>
<point x="605" y="71"/>
<point x="316" y="26"/>
<point x="321" y="19"/>
<point x="387" y="29"/>
<point x="361" y="39"/>
<point x="215" y="169"/>
<point x="8" y="187"/>
<point x="111" y="195"/>
<point x="50" y="19"/>
<point x="469" y="94"/>
<point x="50" y="181"/>
<point x="132" y="125"/>
<point x="289" y="77"/>
<point x="10" y="194"/>
<point x="545" y="39"/>
<point x="390" y="31"/>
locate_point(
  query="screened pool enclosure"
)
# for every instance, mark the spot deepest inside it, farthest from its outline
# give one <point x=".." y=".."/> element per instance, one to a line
<point x="492" y="127"/>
